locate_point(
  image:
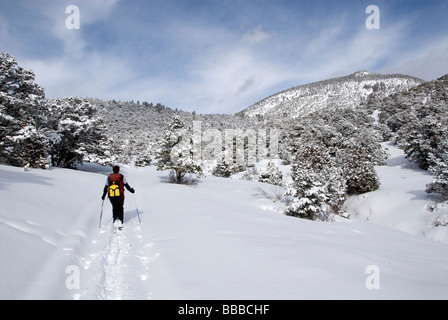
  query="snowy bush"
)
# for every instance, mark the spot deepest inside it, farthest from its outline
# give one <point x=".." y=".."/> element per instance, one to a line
<point x="275" y="195"/>
<point x="271" y="175"/>
<point x="250" y="174"/>
<point x="222" y="169"/>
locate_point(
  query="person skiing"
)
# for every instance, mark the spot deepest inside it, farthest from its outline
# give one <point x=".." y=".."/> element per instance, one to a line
<point x="114" y="188"/>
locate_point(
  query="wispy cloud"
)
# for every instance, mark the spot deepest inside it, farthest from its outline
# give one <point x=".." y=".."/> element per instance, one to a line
<point x="255" y="35"/>
<point x="429" y="62"/>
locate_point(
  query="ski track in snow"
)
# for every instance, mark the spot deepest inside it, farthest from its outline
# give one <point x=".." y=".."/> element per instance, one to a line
<point x="119" y="268"/>
<point x="112" y="284"/>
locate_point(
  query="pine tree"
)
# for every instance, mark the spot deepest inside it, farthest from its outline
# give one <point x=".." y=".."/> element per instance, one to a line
<point x="222" y="169"/>
<point x="28" y="148"/>
<point x="22" y="104"/>
<point x="439" y="169"/>
<point x="175" y="152"/>
<point x="358" y="169"/>
<point x="76" y="134"/>
<point x="318" y="188"/>
<point x="308" y="194"/>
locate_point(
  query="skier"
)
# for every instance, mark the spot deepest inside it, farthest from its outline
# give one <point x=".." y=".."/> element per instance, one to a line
<point x="114" y="188"/>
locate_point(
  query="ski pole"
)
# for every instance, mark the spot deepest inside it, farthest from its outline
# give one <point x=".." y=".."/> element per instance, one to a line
<point x="101" y="215"/>
<point x="136" y="208"/>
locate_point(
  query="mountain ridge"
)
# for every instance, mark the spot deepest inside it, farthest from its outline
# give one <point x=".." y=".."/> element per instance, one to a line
<point x="349" y="90"/>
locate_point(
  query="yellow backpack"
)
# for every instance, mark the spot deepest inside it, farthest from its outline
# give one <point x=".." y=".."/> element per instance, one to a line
<point x="116" y="187"/>
<point x="114" y="190"/>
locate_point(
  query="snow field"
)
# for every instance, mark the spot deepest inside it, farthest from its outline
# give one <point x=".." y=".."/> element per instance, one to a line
<point x="49" y="222"/>
<point x="40" y="225"/>
<point x="216" y="239"/>
<point x="401" y="201"/>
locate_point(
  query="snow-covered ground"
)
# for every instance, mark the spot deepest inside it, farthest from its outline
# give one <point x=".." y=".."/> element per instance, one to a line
<point x="401" y="201"/>
<point x="217" y="239"/>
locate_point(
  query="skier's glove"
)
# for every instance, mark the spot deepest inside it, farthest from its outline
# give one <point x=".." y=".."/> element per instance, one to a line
<point x="132" y="190"/>
<point x="103" y="197"/>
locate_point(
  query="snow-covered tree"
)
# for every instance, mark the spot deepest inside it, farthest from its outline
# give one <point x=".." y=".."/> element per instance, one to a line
<point x="222" y="169"/>
<point x="271" y="175"/>
<point x="358" y="169"/>
<point x="22" y="104"/>
<point x="76" y="134"/>
<point x="333" y="152"/>
<point x="308" y="194"/>
<point x="28" y="148"/>
<point x="175" y="152"/>
<point x="318" y="187"/>
<point x="439" y="169"/>
<point x="418" y="120"/>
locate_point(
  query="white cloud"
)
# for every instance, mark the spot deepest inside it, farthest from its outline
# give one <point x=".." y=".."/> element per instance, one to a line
<point x="218" y="71"/>
<point x="95" y="76"/>
<point x="254" y="36"/>
<point x="428" y="63"/>
<point x="340" y="51"/>
<point x="55" y="15"/>
<point x="233" y="79"/>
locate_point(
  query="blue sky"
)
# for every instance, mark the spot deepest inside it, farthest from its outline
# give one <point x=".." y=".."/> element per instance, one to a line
<point x="217" y="56"/>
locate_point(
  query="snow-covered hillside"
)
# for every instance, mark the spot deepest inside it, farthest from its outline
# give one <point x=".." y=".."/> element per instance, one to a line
<point x="347" y="91"/>
<point x="214" y="240"/>
<point x="401" y="201"/>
